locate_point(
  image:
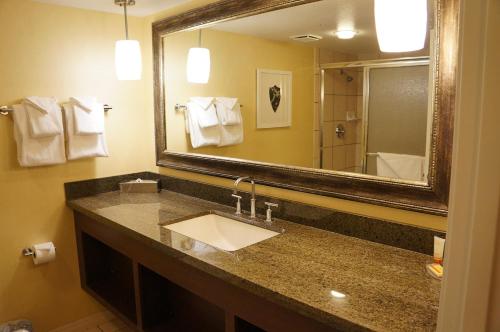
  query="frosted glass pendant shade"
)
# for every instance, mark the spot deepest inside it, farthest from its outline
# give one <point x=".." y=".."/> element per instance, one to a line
<point x="401" y="24"/>
<point x="128" y="60"/>
<point x="198" y="65"/>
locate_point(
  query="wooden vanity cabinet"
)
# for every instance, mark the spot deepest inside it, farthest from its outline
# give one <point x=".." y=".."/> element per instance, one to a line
<point x="153" y="291"/>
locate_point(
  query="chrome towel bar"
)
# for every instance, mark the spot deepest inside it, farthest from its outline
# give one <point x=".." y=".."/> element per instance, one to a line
<point x="183" y="108"/>
<point x="5" y="110"/>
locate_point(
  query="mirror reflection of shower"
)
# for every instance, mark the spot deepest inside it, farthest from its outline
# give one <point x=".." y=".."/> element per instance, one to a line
<point x="374" y="118"/>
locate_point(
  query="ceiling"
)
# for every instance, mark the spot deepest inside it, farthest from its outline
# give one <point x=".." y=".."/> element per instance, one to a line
<point x="141" y="8"/>
<point x="321" y="18"/>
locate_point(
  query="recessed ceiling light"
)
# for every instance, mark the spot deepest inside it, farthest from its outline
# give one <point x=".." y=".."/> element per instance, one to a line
<point x="337" y="295"/>
<point x="345" y="34"/>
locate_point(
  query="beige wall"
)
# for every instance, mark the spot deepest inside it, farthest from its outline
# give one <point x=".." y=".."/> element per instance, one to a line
<point x="62" y="51"/>
<point x="235" y="59"/>
<point x="51" y="50"/>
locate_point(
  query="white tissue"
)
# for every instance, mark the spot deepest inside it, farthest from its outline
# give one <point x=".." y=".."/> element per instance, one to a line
<point x="44" y="253"/>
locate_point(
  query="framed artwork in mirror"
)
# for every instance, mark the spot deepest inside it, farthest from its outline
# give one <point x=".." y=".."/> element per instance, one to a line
<point x="274" y="98"/>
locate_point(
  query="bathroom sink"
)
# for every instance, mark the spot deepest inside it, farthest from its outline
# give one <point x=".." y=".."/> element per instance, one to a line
<point x="221" y="232"/>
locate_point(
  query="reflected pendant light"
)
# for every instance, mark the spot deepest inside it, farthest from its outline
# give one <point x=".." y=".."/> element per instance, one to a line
<point x="198" y="64"/>
<point x="401" y="24"/>
<point x="128" y="60"/>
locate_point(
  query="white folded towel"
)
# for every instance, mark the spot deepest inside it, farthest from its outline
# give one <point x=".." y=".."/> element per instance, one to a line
<point x="82" y="146"/>
<point x="231" y="123"/>
<point x="36" y="151"/>
<point x="228" y="110"/>
<point x="400" y="166"/>
<point x="44" y="116"/>
<point x="88" y="116"/>
<point x="204" y="108"/>
<point x="201" y="136"/>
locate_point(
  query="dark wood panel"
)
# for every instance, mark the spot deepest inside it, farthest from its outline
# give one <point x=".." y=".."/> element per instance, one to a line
<point x="431" y="198"/>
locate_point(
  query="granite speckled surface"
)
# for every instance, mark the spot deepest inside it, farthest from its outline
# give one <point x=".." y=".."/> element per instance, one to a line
<point x="387" y="288"/>
<point x="362" y="227"/>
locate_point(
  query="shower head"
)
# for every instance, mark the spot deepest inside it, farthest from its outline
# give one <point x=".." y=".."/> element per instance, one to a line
<point x="348" y="78"/>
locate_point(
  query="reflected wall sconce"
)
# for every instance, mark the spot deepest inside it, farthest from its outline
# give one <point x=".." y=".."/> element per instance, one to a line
<point x="401" y="24"/>
<point x="198" y="63"/>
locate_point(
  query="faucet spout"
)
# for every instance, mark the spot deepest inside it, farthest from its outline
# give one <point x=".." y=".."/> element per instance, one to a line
<point x="252" y="201"/>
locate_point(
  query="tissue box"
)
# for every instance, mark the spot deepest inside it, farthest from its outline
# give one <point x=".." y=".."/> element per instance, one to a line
<point x="140" y="186"/>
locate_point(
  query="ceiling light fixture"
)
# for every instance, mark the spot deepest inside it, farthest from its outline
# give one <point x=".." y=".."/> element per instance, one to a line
<point x="401" y="24"/>
<point x="198" y="63"/>
<point x="128" y="59"/>
<point x="345" y="34"/>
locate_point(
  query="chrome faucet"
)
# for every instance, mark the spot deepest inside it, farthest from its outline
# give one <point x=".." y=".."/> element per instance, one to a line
<point x="252" y="201"/>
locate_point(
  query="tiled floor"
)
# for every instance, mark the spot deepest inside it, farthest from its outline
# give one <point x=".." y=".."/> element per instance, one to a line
<point x="100" y="322"/>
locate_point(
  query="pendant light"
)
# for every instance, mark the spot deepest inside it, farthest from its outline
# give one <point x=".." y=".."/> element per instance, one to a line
<point x="128" y="60"/>
<point x="401" y="24"/>
<point x="198" y="63"/>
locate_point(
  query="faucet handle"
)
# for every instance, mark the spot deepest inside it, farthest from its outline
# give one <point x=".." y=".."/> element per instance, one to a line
<point x="269" y="211"/>
<point x="238" y="204"/>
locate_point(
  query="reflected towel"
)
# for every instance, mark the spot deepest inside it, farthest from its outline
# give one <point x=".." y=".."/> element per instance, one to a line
<point x="204" y="110"/>
<point x="201" y="136"/>
<point x="231" y="122"/>
<point x="82" y="146"/>
<point x="44" y="116"/>
<point x="88" y="116"/>
<point x="228" y="110"/>
<point x="36" y="151"/>
<point x="400" y="166"/>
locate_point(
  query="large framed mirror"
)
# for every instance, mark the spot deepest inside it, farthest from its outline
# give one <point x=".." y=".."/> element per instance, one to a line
<point x="305" y="95"/>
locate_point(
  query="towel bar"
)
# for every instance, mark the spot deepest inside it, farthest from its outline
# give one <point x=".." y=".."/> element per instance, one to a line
<point x="182" y="108"/>
<point x="5" y="110"/>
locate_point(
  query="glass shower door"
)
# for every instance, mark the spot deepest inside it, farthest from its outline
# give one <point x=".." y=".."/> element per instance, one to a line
<point x="396" y="113"/>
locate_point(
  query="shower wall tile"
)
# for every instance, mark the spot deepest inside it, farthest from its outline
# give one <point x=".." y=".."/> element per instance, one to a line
<point x="328" y="134"/>
<point x="351" y="103"/>
<point x="339" y="157"/>
<point x="329" y="108"/>
<point x="339" y="83"/>
<point x="359" y="83"/>
<point x="351" y="132"/>
<point x="358" y="155"/>
<point x="359" y="106"/>
<point x="327" y="158"/>
<point x="350" y="155"/>
<point x="339" y="108"/>
<point x="329" y="82"/>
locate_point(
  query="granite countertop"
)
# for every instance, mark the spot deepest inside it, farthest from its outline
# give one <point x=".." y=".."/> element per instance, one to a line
<point x="386" y="288"/>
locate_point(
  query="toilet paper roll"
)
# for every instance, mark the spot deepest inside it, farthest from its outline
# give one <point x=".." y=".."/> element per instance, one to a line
<point x="44" y="253"/>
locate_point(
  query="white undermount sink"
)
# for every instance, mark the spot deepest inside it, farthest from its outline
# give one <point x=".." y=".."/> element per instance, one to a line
<point x="221" y="232"/>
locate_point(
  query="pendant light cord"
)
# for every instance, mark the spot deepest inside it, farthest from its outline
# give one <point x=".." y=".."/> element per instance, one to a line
<point x="126" y="20"/>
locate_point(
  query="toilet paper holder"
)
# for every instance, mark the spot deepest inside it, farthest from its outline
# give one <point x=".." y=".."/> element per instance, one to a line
<point x="28" y="252"/>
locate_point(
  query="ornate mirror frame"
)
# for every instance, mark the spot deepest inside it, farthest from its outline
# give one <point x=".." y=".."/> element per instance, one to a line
<point x="430" y="198"/>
